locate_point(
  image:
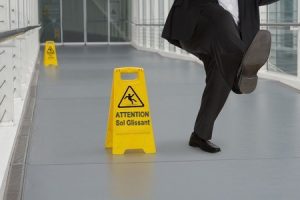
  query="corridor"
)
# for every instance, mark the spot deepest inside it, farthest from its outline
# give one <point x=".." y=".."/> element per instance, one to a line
<point x="258" y="134"/>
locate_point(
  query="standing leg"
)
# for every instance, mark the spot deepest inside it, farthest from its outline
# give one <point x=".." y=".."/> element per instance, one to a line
<point x="214" y="97"/>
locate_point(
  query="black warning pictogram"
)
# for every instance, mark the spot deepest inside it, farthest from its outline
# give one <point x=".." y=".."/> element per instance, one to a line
<point x="50" y="50"/>
<point x="130" y="99"/>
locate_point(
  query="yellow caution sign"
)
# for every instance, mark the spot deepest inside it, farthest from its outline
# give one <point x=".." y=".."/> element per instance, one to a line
<point x="50" y="57"/>
<point x="129" y="121"/>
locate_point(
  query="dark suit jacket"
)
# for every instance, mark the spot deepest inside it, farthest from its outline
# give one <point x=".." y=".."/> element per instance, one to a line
<point x="182" y="19"/>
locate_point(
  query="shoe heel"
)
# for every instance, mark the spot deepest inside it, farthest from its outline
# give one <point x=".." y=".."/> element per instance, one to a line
<point x="193" y="144"/>
<point x="247" y="84"/>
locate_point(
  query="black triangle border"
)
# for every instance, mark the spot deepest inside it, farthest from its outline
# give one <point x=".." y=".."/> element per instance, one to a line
<point x="141" y="106"/>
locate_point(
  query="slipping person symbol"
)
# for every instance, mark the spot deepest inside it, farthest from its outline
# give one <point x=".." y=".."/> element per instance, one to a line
<point x="129" y="97"/>
<point x="50" y="51"/>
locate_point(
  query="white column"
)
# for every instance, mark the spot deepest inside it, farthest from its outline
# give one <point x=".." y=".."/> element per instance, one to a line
<point x="14" y="14"/>
<point x="21" y="13"/>
<point x="147" y="21"/>
<point x="4" y="16"/>
<point x="16" y="68"/>
<point x="298" y="48"/>
<point x="25" y="13"/>
<point x="6" y="83"/>
<point x="134" y="11"/>
<point x="156" y="21"/>
<point x="166" y="12"/>
<point x="141" y="21"/>
<point x="263" y="18"/>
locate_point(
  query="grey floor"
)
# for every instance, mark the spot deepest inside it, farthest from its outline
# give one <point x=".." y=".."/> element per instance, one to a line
<point x="259" y="135"/>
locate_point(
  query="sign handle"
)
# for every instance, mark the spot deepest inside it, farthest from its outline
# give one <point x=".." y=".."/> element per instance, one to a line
<point x="129" y="70"/>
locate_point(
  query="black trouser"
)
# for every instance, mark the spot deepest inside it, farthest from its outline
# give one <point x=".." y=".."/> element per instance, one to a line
<point x="217" y="42"/>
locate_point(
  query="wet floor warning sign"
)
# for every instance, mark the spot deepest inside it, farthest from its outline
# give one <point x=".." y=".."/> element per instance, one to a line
<point x="130" y="99"/>
<point x="129" y="120"/>
<point x="50" y="57"/>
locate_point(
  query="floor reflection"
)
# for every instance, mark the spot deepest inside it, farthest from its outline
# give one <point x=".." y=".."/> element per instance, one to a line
<point x="51" y="73"/>
<point x="131" y="180"/>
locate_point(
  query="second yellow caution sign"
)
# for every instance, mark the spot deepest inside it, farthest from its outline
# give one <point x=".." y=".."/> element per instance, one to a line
<point x="129" y="120"/>
<point x="50" y="57"/>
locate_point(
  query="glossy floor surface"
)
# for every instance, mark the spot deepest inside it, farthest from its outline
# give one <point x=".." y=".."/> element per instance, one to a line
<point x="258" y="133"/>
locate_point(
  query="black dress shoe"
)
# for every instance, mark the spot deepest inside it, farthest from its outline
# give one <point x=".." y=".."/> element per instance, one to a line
<point x="255" y="57"/>
<point x="205" y="145"/>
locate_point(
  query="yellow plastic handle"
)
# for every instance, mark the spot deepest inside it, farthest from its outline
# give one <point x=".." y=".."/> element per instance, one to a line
<point x="50" y="42"/>
<point x="129" y="70"/>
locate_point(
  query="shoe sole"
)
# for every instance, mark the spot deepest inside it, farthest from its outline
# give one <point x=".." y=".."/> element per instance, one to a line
<point x="256" y="56"/>
<point x="192" y="144"/>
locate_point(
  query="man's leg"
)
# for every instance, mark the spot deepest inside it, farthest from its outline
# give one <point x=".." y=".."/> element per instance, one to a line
<point x="213" y="99"/>
<point x="218" y="39"/>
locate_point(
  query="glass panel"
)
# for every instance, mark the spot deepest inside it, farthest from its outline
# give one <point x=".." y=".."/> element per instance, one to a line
<point x="283" y="12"/>
<point x="73" y="26"/>
<point x="284" y="40"/>
<point x="161" y="20"/>
<point x="283" y="57"/>
<point x="97" y="23"/>
<point x="50" y="20"/>
<point x="120" y="15"/>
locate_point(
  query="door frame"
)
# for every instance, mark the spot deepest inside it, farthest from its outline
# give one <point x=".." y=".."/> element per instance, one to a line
<point x="85" y="42"/>
<point x="61" y="26"/>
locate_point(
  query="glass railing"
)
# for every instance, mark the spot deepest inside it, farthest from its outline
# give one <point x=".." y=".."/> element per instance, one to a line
<point x="147" y="34"/>
<point x="284" y="50"/>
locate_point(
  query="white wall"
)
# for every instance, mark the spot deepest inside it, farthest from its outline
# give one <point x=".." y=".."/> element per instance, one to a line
<point x="18" y="56"/>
